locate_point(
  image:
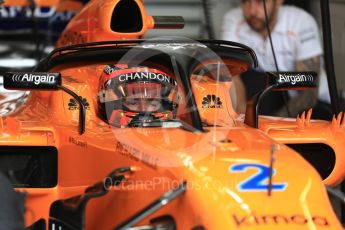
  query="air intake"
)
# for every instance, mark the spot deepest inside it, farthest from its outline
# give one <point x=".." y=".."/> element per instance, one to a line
<point x="126" y="17"/>
<point x="320" y="156"/>
<point x="30" y="166"/>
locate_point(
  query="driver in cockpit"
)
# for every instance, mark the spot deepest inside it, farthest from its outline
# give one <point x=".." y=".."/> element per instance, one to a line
<point x="129" y="95"/>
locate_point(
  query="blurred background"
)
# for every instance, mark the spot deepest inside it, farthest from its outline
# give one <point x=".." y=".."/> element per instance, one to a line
<point x="28" y="33"/>
<point x="196" y="22"/>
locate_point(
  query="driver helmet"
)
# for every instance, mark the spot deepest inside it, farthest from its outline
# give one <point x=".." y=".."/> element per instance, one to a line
<point x="132" y="95"/>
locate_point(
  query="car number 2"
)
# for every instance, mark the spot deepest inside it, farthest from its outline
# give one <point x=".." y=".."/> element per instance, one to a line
<point x="258" y="181"/>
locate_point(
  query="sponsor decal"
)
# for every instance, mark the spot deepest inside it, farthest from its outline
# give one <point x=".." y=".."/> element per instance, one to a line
<point x="212" y="102"/>
<point x="256" y="182"/>
<point x="34" y="78"/>
<point x="253" y="220"/>
<point x="175" y="46"/>
<point x="144" y="76"/>
<point x="108" y="69"/>
<point x="295" y="78"/>
<point x="137" y="155"/>
<point x="77" y="142"/>
<point x="73" y="104"/>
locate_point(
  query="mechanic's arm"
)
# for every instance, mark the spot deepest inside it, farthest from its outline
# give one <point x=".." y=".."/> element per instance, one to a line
<point x="307" y="98"/>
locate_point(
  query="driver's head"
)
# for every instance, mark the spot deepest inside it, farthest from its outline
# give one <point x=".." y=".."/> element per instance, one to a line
<point x="254" y="13"/>
<point x="136" y="94"/>
<point x="142" y="104"/>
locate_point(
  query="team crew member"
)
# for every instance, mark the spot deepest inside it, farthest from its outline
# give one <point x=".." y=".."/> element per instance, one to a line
<point x="295" y="38"/>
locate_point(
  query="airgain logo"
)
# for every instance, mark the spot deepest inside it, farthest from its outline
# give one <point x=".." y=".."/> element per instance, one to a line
<point x="212" y="102"/>
<point x="296" y="78"/>
<point x="34" y="78"/>
<point x="73" y="104"/>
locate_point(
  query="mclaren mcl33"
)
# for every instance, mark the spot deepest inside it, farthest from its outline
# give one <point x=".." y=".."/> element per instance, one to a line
<point x="144" y="134"/>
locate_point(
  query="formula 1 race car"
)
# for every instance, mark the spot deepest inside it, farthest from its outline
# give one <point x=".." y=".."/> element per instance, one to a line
<point x="144" y="134"/>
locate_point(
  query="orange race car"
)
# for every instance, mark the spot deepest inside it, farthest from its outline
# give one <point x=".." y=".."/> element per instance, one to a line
<point x="144" y="134"/>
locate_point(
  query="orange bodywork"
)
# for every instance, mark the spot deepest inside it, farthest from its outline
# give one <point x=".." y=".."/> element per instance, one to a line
<point x="94" y="24"/>
<point x="304" y="130"/>
<point x="219" y="165"/>
<point x="163" y="158"/>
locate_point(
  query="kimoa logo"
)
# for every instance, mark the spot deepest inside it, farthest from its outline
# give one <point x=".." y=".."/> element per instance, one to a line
<point x="276" y="219"/>
<point x="36" y="79"/>
<point x="295" y="78"/>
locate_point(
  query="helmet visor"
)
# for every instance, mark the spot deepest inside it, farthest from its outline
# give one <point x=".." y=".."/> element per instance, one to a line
<point x="139" y="89"/>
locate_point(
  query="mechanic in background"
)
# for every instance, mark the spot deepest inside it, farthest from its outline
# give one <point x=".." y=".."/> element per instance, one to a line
<point x="296" y="42"/>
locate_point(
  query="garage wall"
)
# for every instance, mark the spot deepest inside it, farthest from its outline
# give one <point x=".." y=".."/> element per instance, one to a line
<point x="337" y="8"/>
<point x="192" y="12"/>
<point x="338" y="30"/>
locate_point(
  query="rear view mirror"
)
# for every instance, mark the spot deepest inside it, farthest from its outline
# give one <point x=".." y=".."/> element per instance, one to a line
<point x="292" y="80"/>
<point x="43" y="81"/>
<point x="32" y="80"/>
<point x="278" y="81"/>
